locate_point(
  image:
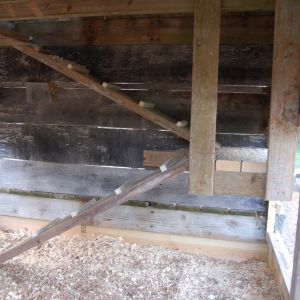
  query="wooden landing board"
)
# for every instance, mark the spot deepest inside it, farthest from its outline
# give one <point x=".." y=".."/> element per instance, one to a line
<point x="21" y="10"/>
<point x="60" y="66"/>
<point x="248" y="29"/>
<point x="198" y="224"/>
<point x="207" y="18"/>
<point x="220" y="249"/>
<point x="99" y="181"/>
<point x="284" y="102"/>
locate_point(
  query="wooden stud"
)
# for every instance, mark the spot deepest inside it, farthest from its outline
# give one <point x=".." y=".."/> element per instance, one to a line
<point x="295" y="286"/>
<point x="204" y="95"/>
<point x="284" y="101"/>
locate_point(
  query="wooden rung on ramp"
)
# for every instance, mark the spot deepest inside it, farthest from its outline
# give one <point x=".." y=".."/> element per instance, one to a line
<point x="93" y="207"/>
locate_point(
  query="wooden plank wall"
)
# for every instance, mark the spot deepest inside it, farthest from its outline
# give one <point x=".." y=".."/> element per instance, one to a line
<point x="79" y="131"/>
<point x="43" y="9"/>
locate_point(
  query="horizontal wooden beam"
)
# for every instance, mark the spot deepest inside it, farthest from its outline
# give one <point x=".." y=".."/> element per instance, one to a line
<point x="43" y="9"/>
<point x="48" y="177"/>
<point x="62" y="67"/>
<point x="212" y="224"/>
<point x="221" y="249"/>
<point x="235" y="29"/>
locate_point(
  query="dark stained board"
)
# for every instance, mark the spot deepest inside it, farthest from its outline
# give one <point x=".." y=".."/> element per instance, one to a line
<point x="237" y="113"/>
<point x="243" y="28"/>
<point x="239" y="64"/>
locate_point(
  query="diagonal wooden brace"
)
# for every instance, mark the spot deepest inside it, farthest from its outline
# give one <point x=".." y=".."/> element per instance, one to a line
<point x="92" y="208"/>
<point x="108" y="91"/>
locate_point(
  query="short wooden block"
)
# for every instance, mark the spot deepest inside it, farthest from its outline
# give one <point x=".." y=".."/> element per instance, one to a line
<point x="228" y="165"/>
<point x="146" y="104"/>
<point x="254" y="167"/>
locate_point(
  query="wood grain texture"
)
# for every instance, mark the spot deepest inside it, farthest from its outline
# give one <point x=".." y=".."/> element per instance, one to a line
<point x="152" y="65"/>
<point x="55" y="9"/>
<point x="220" y="249"/>
<point x="151" y="219"/>
<point x="92" y="83"/>
<point x="237" y="112"/>
<point x="91" y="209"/>
<point x="249" y="29"/>
<point x="98" y="181"/>
<point x="284" y="102"/>
<point x="295" y="281"/>
<point x="204" y="96"/>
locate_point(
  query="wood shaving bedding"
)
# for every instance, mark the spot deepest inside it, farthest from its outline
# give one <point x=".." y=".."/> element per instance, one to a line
<point x="108" y="268"/>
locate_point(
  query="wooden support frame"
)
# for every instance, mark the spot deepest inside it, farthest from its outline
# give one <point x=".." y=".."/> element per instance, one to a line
<point x="43" y="9"/>
<point x="62" y="66"/>
<point x="251" y="29"/>
<point x="92" y="208"/>
<point x="204" y="96"/>
<point x="295" y="284"/>
<point x="284" y="101"/>
<point x="220" y="249"/>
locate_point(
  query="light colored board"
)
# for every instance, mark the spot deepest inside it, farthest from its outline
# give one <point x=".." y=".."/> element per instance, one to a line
<point x="278" y="264"/>
<point x="228" y="250"/>
<point x="254" y="167"/>
<point x="21" y="10"/>
<point x="206" y="44"/>
<point x="227" y="227"/>
<point x="237" y="183"/>
<point x="89" y="180"/>
<point x="155" y="158"/>
<point x="231" y="227"/>
<point x="36" y="207"/>
<point x="228" y="165"/>
<point x="284" y="102"/>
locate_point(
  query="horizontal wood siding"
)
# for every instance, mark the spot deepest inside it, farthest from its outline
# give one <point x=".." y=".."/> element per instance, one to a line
<point x="151" y="64"/>
<point x="250" y="29"/>
<point x="231" y="227"/>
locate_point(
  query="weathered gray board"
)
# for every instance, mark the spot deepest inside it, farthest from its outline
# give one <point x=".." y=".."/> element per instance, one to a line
<point x="97" y="146"/>
<point x="239" y="64"/>
<point x="88" y="180"/>
<point x="232" y="227"/>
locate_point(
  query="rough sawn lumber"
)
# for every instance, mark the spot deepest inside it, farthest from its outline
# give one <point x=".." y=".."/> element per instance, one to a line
<point x="92" y="208"/>
<point x="61" y="66"/>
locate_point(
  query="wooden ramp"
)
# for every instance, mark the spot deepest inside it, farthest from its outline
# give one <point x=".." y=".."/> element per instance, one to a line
<point x="87" y="212"/>
<point x="80" y="74"/>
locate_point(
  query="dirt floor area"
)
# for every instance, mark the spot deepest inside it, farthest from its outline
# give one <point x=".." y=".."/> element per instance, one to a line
<point x="108" y="268"/>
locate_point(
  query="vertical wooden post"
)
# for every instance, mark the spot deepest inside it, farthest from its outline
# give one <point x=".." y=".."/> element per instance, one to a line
<point x="295" y="286"/>
<point x="204" y="95"/>
<point x="284" y="101"/>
